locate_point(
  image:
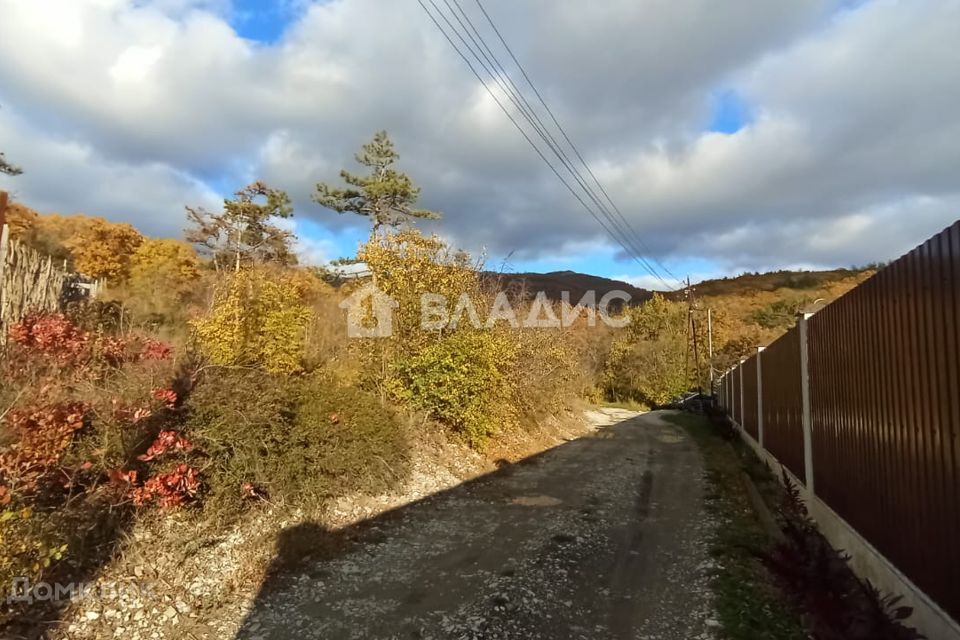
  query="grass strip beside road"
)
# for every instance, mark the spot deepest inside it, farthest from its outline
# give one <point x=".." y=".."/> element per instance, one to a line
<point x="748" y="602"/>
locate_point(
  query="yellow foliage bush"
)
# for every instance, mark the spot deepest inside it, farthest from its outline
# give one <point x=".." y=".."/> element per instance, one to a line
<point x="546" y="373"/>
<point x="476" y="380"/>
<point x="647" y="360"/>
<point x="457" y="375"/>
<point x="258" y="318"/>
<point x="462" y="381"/>
<point x="406" y="265"/>
<point x="27" y="546"/>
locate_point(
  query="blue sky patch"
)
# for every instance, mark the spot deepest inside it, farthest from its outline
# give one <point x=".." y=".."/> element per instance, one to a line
<point x="729" y="112"/>
<point x="262" y="20"/>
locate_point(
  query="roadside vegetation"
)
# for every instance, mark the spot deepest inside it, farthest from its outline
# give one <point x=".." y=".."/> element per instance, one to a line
<point x="777" y="576"/>
<point x="213" y="382"/>
<point x="749" y="603"/>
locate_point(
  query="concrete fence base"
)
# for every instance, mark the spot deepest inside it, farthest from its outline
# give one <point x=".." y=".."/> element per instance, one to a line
<point x="865" y="560"/>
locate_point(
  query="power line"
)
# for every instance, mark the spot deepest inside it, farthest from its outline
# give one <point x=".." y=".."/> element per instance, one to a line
<point x="500" y="75"/>
<point x="566" y="137"/>
<point x="517" y="124"/>
<point x="496" y="71"/>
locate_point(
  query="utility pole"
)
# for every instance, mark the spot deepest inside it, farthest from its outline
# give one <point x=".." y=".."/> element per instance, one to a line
<point x="692" y="332"/>
<point x="686" y="362"/>
<point x="696" y="352"/>
<point x="710" y="346"/>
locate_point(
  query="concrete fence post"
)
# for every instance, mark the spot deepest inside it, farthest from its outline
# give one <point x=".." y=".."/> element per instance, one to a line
<point x="726" y="391"/>
<point x="723" y="390"/>
<point x="760" y="396"/>
<point x="805" y="401"/>
<point x="733" y="404"/>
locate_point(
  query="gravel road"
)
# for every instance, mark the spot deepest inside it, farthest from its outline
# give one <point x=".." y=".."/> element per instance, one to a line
<point x="605" y="536"/>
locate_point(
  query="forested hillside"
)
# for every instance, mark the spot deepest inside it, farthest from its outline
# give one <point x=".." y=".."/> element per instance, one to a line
<point x="747" y="311"/>
<point x="753" y="310"/>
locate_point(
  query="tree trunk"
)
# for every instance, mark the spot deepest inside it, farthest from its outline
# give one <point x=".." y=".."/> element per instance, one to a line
<point x="236" y="268"/>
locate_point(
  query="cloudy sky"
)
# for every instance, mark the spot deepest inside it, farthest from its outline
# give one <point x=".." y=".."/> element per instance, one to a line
<point x="735" y="135"/>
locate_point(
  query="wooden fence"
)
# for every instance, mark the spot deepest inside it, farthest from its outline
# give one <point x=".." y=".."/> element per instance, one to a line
<point x="29" y="282"/>
<point x="861" y="404"/>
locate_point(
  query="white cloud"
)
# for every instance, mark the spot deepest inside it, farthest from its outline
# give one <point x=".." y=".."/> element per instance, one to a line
<point x="76" y="178"/>
<point x="130" y="108"/>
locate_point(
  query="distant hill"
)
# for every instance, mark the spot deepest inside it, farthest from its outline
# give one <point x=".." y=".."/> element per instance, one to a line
<point x="553" y="284"/>
<point x="749" y="283"/>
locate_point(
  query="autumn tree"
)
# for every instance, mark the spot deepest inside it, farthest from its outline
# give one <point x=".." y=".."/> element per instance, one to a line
<point x="384" y="195"/>
<point x="93" y="246"/>
<point x="245" y="232"/>
<point x="23" y="222"/>
<point x="50" y="234"/>
<point x="102" y="249"/>
<point x="163" y="273"/>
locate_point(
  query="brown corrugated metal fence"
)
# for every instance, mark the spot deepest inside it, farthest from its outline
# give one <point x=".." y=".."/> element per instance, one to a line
<point x="722" y="392"/>
<point x="782" y="408"/>
<point x="749" y="421"/>
<point x="737" y="408"/>
<point x="884" y="394"/>
<point x="726" y="393"/>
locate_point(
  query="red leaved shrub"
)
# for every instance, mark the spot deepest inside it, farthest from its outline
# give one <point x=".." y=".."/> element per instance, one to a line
<point x="75" y="376"/>
<point x="156" y="350"/>
<point x="50" y="344"/>
<point x="167" y="396"/>
<point x="42" y="435"/>
<point x="166" y="441"/>
<point x="52" y="335"/>
<point x="170" y="489"/>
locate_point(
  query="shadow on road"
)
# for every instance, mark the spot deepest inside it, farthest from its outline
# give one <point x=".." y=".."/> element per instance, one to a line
<point x="560" y="538"/>
<point x="302" y="549"/>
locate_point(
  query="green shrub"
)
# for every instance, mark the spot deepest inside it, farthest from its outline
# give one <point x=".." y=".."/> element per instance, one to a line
<point x="460" y="381"/>
<point x="647" y="361"/>
<point x="287" y="440"/>
<point x="349" y="436"/>
<point x="780" y="314"/>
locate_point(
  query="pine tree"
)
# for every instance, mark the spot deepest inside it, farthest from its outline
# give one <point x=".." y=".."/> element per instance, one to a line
<point x="385" y="195"/>
<point x="7" y="168"/>
<point x="244" y="231"/>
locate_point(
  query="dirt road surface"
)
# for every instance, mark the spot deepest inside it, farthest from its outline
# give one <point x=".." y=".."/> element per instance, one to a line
<point x="605" y="536"/>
